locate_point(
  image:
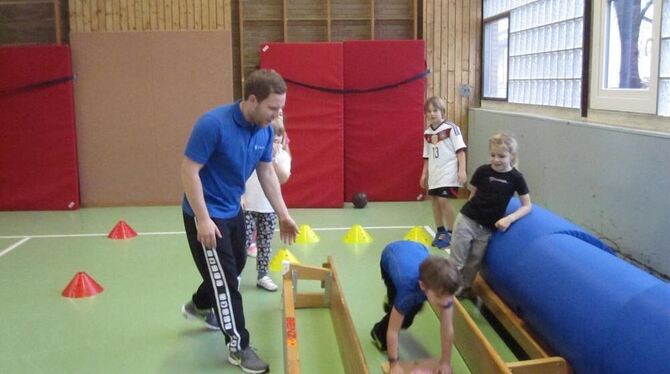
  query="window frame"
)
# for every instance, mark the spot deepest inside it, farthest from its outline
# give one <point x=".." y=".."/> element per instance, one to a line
<point x="485" y="21"/>
<point x="622" y="99"/>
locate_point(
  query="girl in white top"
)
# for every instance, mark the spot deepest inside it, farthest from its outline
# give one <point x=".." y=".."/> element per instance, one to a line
<point x="443" y="167"/>
<point x="258" y="213"/>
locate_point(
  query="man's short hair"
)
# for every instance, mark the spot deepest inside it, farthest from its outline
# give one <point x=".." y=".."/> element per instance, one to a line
<point x="263" y="82"/>
<point x="439" y="275"/>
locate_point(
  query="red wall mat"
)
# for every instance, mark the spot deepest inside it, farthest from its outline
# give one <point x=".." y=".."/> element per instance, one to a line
<point x="314" y="121"/>
<point x="38" y="157"/>
<point x="383" y="130"/>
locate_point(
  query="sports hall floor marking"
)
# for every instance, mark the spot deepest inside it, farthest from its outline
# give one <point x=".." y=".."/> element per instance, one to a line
<point x="25" y="238"/>
<point x="11" y="247"/>
<point x="182" y="232"/>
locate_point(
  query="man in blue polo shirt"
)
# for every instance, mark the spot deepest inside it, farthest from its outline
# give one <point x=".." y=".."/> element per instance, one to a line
<point x="226" y="145"/>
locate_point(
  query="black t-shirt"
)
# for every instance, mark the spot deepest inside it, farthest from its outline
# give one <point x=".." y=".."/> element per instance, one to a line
<point x="494" y="190"/>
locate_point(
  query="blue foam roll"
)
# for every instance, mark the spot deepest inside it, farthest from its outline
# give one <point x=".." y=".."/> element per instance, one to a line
<point x="509" y="245"/>
<point x="639" y="339"/>
<point x="540" y="222"/>
<point x="569" y="292"/>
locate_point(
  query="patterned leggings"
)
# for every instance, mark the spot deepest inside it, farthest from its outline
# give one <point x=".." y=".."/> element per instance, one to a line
<point x="265" y="226"/>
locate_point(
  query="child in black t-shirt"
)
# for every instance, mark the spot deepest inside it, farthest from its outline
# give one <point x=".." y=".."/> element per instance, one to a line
<point x="492" y="187"/>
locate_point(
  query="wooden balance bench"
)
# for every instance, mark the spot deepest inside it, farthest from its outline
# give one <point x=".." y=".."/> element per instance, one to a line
<point x="479" y="354"/>
<point x="332" y="298"/>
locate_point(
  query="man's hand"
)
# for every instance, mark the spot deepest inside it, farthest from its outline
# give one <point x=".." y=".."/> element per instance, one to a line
<point x="208" y="232"/>
<point x="396" y="368"/>
<point x="288" y="230"/>
<point x="444" y="368"/>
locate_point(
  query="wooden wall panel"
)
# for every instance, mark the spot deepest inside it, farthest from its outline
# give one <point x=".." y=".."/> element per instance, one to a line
<point x="320" y="21"/>
<point x="134" y="115"/>
<point x="149" y="15"/>
<point x="33" y="21"/>
<point x="452" y="31"/>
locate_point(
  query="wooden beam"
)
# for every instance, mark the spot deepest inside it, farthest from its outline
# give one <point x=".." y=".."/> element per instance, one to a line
<point x="351" y="352"/>
<point x="310" y="272"/>
<point x="512" y="323"/>
<point x="310" y="300"/>
<point x="478" y="353"/>
<point x="290" y="331"/>
<point x="57" y="21"/>
<point x="549" y="365"/>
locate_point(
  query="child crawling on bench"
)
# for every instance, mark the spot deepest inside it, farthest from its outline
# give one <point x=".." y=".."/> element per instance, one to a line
<point x="411" y="277"/>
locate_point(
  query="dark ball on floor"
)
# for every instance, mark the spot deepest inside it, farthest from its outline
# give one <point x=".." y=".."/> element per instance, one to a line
<point x="360" y="200"/>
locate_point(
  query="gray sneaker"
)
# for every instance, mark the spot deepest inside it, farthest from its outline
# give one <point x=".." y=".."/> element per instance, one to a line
<point x="207" y="316"/>
<point x="248" y="360"/>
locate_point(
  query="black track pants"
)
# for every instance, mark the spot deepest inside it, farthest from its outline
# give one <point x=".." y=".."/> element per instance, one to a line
<point x="220" y="269"/>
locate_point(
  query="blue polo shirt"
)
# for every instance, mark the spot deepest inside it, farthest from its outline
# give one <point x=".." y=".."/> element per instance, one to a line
<point x="229" y="148"/>
<point x="401" y="261"/>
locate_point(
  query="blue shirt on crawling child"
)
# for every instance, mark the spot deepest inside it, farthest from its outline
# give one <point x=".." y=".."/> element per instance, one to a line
<point x="401" y="261"/>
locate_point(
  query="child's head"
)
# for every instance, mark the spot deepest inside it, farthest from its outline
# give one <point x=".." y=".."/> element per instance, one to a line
<point x="279" y="130"/>
<point x="503" y="147"/>
<point x="435" y="109"/>
<point x="438" y="277"/>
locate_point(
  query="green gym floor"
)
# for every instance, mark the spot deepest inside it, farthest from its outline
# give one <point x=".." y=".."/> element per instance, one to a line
<point x="135" y="325"/>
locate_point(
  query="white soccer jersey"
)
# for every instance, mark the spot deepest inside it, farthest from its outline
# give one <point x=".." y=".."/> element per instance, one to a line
<point x="440" y="147"/>
<point x="254" y="195"/>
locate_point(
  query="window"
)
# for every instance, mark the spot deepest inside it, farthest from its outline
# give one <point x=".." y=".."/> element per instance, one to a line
<point x="624" y="67"/>
<point x="495" y="58"/>
<point x="664" y="71"/>
<point x="545" y="50"/>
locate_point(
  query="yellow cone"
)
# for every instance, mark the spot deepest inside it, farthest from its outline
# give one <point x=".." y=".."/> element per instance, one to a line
<point x="283" y="255"/>
<point x="357" y="235"/>
<point x="306" y="235"/>
<point x="418" y="234"/>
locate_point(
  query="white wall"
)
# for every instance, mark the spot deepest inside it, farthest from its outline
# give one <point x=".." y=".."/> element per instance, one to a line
<point x="613" y="181"/>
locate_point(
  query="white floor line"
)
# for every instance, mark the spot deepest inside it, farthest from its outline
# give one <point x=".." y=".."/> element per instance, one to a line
<point x="365" y="227"/>
<point x="429" y="230"/>
<point x="182" y="232"/>
<point x="162" y="233"/>
<point x="13" y="246"/>
<point x="50" y="236"/>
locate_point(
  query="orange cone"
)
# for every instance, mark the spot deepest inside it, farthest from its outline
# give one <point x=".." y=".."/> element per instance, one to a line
<point x="122" y="231"/>
<point x="82" y="285"/>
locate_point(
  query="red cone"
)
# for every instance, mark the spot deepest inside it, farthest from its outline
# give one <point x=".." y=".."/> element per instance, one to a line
<point x="82" y="285"/>
<point x="122" y="231"/>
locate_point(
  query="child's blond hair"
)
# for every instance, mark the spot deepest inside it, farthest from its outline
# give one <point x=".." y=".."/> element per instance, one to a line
<point x="507" y="142"/>
<point x="278" y="126"/>
<point x="437" y="103"/>
<point x="279" y="130"/>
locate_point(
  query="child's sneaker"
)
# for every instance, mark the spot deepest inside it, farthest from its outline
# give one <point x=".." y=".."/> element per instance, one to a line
<point x="252" y="251"/>
<point x="248" y="360"/>
<point x="438" y="233"/>
<point x="437" y="236"/>
<point x="266" y="283"/>
<point x="207" y="316"/>
<point x="442" y="239"/>
<point x="376" y="341"/>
